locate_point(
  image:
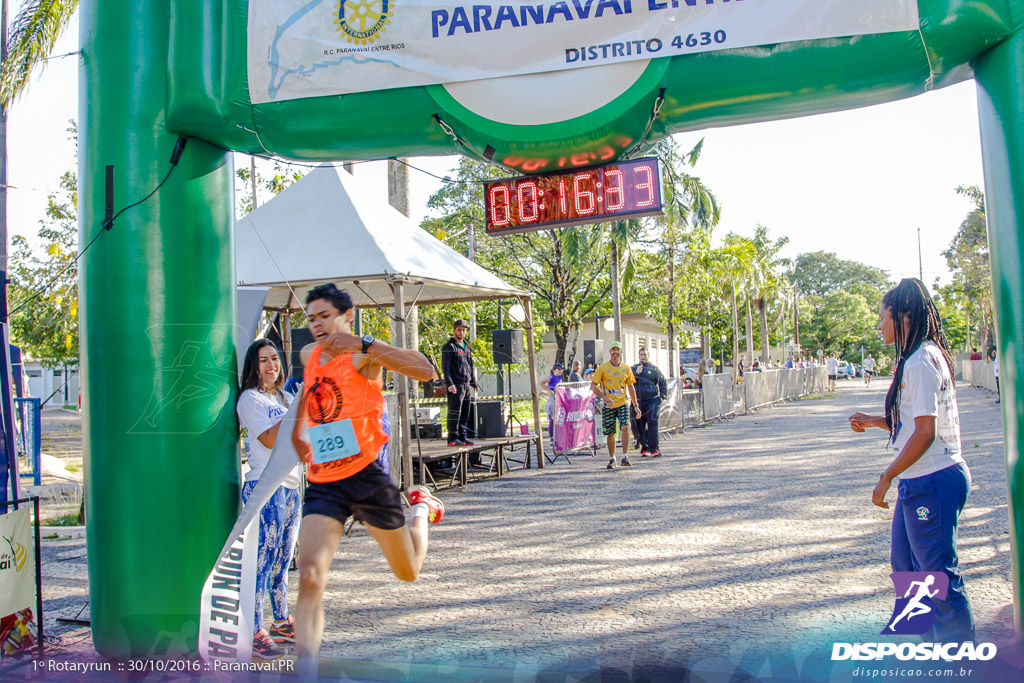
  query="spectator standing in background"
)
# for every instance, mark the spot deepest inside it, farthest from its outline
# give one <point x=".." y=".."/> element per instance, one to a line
<point x="261" y="407"/>
<point x="832" y="368"/>
<point x="995" y="369"/>
<point x="975" y="355"/>
<point x="574" y="374"/>
<point x="460" y="378"/>
<point x="651" y="388"/>
<point x="549" y="407"/>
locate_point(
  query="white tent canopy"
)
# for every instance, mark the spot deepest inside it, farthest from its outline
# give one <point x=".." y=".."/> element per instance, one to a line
<point x="333" y="227"/>
<point x="330" y="226"/>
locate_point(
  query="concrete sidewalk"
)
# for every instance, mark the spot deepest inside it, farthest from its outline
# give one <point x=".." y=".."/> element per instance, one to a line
<point x="752" y="545"/>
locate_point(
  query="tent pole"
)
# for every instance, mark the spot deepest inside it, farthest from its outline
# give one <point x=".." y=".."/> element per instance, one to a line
<point x="402" y="384"/>
<point x="528" y="305"/>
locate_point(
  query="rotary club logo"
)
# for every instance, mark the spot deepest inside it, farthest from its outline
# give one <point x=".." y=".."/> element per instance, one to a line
<point x="362" y="21"/>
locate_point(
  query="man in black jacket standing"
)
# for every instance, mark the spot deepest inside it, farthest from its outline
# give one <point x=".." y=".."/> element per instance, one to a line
<point x="460" y="377"/>
<point x="651" y="387"/>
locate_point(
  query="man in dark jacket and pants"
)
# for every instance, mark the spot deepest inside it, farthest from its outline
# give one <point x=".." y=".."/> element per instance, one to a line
<point x="460" y="377"/>
<point x="651" y="387"/>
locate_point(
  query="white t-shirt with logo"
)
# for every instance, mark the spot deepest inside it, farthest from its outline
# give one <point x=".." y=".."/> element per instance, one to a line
<point x="928" y="390"/>
<point x="869" y="364"/>
<point x="258" y="412"/>
<point x="832" y="365"/>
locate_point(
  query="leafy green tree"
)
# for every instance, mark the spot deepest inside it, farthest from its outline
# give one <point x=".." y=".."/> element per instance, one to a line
<point x="819" y="273"/>
<point x="566" y="268"/>
<point x="683" y="236"/>
<point x="283" y="175"/>
<point x="968" y="259"/>
<point x="838" y="322"/>
<point x="44" y="287"/>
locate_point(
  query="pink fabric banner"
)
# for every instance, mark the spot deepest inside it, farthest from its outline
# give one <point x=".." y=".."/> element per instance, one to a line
<point x="574" y="417"/>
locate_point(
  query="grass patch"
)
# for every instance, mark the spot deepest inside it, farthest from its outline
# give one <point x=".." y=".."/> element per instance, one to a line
<point x="70" y="409"/>
<point x="70" y="519"/>
<point x="814" y="397"/>
<point x="71" y="467"/>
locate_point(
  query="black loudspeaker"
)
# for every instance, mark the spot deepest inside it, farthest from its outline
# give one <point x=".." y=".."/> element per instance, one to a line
<point x="300" y="337"/>
<point x="508" y="346"/>
<point x="489" y="419"/>
<point x="593" y="352"/>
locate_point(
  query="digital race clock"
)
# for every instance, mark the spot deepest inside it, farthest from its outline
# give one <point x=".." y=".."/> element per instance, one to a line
<point x="597" y="194"/>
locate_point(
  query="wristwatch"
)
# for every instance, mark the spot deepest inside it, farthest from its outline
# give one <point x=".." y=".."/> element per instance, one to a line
<point x="367" y="342"/>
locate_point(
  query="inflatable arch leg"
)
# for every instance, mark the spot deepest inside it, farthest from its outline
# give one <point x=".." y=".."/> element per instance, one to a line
<point x="157" y="354"/>
<point x="1000" y="76"/>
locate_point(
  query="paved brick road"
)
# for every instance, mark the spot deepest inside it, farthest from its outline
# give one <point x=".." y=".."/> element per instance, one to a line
<point x="752" y="543"/>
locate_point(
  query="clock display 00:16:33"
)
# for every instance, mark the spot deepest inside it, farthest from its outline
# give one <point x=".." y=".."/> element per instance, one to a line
<point x="582" y="196"/>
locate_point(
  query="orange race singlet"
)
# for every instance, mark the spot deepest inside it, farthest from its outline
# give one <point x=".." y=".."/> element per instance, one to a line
<point x="335" y="391"/>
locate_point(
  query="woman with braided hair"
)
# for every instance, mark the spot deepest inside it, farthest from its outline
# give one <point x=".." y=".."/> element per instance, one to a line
<point x="923" y="423"/>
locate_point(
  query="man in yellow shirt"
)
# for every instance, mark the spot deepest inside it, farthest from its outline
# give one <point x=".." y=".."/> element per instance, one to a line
<point x="613" y="381"/>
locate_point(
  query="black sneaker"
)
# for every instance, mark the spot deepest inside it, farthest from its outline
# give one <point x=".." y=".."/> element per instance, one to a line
<point x="611" y="464"/>
<point x="626" y="462"/>
<point x="456" y="443"/>
<point x="265" y="648"/>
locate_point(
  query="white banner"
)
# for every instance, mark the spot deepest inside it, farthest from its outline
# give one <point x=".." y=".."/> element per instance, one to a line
<point x="17" y="562"/>
<point x="228" y="605"/>
<point x="304" y="48"/>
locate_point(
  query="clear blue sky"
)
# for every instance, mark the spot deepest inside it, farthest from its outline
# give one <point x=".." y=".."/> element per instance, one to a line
<point x="858" y="183"/>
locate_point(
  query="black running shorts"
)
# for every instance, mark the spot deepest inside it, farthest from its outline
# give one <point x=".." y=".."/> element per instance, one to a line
<point x="369" y="495"/>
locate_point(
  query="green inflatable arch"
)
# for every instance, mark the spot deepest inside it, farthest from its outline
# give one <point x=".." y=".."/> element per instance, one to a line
<point x="161" y="470"/>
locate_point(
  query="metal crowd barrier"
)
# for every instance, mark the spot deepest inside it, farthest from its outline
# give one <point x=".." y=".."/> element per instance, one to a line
<point x="771" y="386"/>
<point x="681" y="408"/>
<point x="721" y="398"/>
<point x="28" y="438"/>
<point x="980" y="373"/>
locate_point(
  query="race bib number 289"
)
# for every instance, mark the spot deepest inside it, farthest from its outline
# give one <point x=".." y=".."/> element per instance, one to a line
<point x="333" y="441"/>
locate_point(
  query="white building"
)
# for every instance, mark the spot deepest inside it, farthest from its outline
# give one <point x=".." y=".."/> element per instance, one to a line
<point x="638" y="331"/>
<point x="42" y="382"/>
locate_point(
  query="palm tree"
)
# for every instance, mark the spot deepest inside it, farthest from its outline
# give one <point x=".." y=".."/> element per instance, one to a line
<point x="23" y="50"/>
<point x="688" y="202"/>
<point x="736" y="258"/>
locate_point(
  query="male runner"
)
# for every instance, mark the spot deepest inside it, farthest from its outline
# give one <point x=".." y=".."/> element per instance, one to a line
<point x="342" y="406"/>
<point x="613" y="381"/>
<point x="869" y="369"/>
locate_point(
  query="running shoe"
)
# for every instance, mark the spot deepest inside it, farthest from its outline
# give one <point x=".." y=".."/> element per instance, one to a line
<point x="265" y="648"/>
<point x="626" y="462"/>
<point x="611" y="464"/>
<point x="455" y="443"/>
<point x="284" y="633"/>
<point x="467" y="442"/>
<point x="421" y="494"/>
<point x="644" y="453"/>
<point x="656" y="454"/>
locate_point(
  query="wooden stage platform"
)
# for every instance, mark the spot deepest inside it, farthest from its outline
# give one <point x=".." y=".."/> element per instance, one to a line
<point x="494" y="456"/>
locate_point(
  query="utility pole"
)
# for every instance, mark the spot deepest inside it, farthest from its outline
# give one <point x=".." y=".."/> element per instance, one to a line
<point x="616" y="310"/>
<point x="252" y="179"/>
<point x="472" y="305"/>
<point x="8" y="468"/>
